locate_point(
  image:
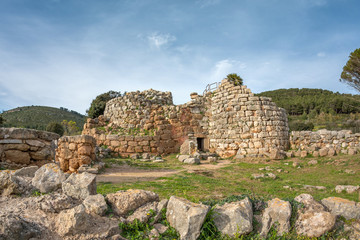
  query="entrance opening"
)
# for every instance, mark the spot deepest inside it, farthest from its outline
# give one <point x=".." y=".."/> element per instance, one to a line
<point x="200" y="144"/>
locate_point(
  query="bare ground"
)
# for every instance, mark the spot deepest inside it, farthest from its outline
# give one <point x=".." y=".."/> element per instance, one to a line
<point x="125" y="173"/>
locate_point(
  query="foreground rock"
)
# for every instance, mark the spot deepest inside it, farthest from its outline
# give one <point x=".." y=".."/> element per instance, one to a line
<point x="234" y="218"/>
<point x="72" y="221"/>
<point x="48" y="178"/>
<point x="122" y="202"/>
<point x="95" y="204"/>
<point x="342" y="207"/>
<point x="80" y="186"/>
<point x="16" y="227"/>
<point x="313" y="220"/>
<point x="186" y="217"/>
<point x="278" y="211"/>
<point x="13" y="185"/>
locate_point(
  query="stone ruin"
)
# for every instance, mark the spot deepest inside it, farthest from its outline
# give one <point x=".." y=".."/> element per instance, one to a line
<point x="229" y="121"/>
<point x="23" y="147"/>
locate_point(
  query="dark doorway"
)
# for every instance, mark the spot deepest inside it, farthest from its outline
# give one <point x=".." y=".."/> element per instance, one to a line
<point x="200" y="144"/>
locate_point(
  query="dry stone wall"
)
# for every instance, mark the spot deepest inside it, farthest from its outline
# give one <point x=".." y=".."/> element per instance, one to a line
<point x="21" y="147"/>
<point x="324" y="142"/>
<point x="75" y="151"/>
<point x="231" y="121"/>
<point x="242" y="124"/>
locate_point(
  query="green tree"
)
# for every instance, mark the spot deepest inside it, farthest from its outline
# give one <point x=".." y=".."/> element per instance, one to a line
<point x="55" y="128"/>
<point x="2" y="120"/>
<point x="70" y="127"/>
<point x="351" y="71"/>
<point x="234" y="78"/>
<point x="98" y="105"/>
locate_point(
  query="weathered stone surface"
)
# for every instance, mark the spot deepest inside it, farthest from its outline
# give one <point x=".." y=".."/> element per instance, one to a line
<point x="160" y="228"/>
<point x="10" y="184"/>
<point x="342" y="207"/>
<point x="234" y="218"/>
<point x="72" y="221"/>
<point x="95" y="204"/>
<point x="312" y="162"/>
<point x="313" y="220"/>
<point x="277" y="154"/>
<point x="183" y="157"/>
<point x="185" y="148"/>
<point x="17" y="156"/>
<point x="346" y="188"/>
<point x="186" y="217"/>
<point x="80" y="186"/>
<point x="26" y="171"/>
<point x="122" y="202"/>
<point x="277" y="211"/>
<point x="14" y="227"/>
<point x="192" y="160"/>
<point x="314" y="223"/>
<point x="159" y="208"/>
<point x="48" y="178"/>
<point x="55" y="203"/>
<point x="143" y="213"/>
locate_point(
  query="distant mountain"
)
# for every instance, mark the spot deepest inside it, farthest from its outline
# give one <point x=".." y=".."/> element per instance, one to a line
<point x="38" y="117"/>
<point x="307" y="100"/>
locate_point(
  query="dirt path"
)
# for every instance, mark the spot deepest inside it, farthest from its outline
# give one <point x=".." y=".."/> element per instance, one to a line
<point x="125" y="173"/>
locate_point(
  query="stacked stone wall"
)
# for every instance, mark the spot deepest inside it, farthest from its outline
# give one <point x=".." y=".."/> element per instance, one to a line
<point x="245" y="125"/>
<point x="75" y="151"/>
<point x="324" y="142"/>
<point x="21" y="147"/>
<point x="231" y="119"/>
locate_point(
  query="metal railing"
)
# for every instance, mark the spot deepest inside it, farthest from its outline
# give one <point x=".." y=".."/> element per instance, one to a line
<point x="211" y="87"/>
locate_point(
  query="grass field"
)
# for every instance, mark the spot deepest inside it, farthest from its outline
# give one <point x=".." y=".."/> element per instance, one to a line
<point x="235" y="179"/>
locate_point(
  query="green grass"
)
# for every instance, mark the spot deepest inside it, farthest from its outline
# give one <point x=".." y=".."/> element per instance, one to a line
<point x="235" y="179"/>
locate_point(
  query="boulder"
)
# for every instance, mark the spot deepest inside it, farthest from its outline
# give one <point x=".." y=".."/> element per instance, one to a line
<point x="159" y="208"/>
<point x="234" y="218"/>
<point x="192" y="160"/>
<point x="143" y="213"/>
<point x="55" y="203"/>
<point x="95" y="204"/>
<point x="183" y="157"/>
<point x="48" y="178"/>
<point x="10" y="184"/>
<point x="314" y="223"/>
<point x="16" y="227"/>
<point x="186" y="217"/>
<point x="185" y="148"/>
<point x="323" y="152"/>
<point x="122" y="202"/>
<point x="26" y="171"/>
<point x="313" y="220"/>
<point x="72" y="221"/>
<point x="80" y="186"/>
<point x="312" y="162"/>
<point x="347" y="188"/>
<point x="278" y="211"/>
<point x="342" y="207"/>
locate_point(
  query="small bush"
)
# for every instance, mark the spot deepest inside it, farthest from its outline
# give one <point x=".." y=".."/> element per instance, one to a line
<point x="235" y="79"/>
<point x="55" y="128"/>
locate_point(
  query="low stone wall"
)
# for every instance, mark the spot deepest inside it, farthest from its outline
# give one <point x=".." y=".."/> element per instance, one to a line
<point x="74" y="151"/>
<point x="324" y="142"/>
<point x="21" y="147"/>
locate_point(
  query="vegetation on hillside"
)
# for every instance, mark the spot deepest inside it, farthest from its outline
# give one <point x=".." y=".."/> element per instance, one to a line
<point x="351" y="71"/>
<point x="97" y="106"/>
<point x="313" y="109"/>
<point x="39" y="117"/>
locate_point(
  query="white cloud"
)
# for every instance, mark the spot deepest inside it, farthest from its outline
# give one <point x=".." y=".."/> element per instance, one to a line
<point x="223" y="67"/>
<point x="321" y="54"/>
<point x="159" y="40"/>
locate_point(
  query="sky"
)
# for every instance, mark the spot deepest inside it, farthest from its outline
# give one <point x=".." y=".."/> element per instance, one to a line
<point x="63" y="53"/>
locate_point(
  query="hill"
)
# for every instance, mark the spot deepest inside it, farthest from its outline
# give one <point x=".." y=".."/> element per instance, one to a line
<point x="38" y="117"/>
<point x="313" y="109"/>
<point x="306" y="100"/>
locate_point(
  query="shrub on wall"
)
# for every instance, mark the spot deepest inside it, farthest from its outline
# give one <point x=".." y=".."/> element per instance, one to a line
<point x="235" y="79"/>
<point x="98" y="105"/>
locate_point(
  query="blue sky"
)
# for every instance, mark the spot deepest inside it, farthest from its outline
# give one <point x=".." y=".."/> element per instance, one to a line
<point x="63" y="53"/>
